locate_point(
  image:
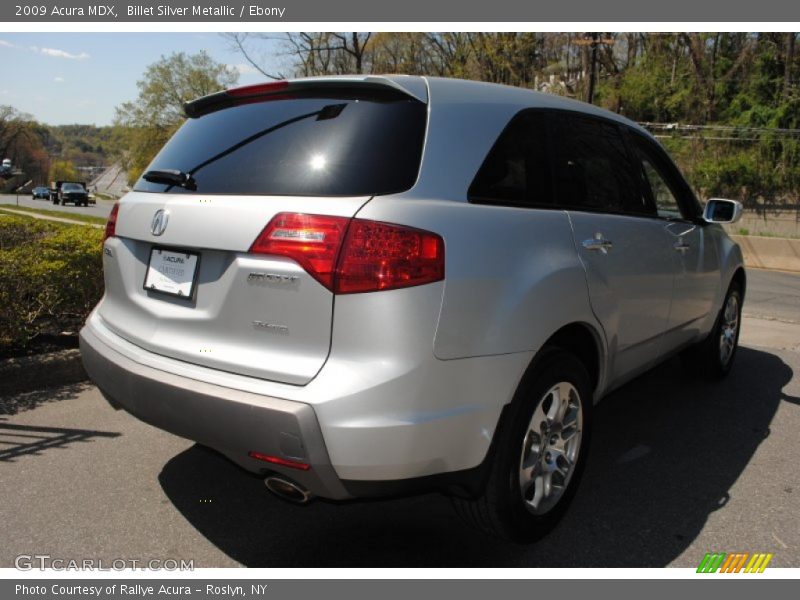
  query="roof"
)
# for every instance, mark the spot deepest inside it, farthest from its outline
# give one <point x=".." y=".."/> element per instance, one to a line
<point x="450" y="90"/>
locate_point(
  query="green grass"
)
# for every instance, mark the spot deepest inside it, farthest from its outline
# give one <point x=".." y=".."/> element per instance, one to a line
<point x="55" y="213"/>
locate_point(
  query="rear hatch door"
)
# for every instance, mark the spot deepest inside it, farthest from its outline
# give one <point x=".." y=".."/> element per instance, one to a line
<point x="323" y="151"/>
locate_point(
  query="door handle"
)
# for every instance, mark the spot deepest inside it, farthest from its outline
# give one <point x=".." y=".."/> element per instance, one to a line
<point x="681" y="246"/>
<point x="598" y="244"/>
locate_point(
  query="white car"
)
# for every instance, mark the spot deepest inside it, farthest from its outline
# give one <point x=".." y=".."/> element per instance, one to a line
<point x="368" y="286"/>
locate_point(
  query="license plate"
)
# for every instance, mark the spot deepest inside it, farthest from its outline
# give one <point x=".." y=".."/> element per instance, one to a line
<point x="172" y="272"/>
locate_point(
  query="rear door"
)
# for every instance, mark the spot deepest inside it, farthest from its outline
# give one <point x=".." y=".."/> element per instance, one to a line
<point x="242" y="163"/>
<point x="625" y="251"/>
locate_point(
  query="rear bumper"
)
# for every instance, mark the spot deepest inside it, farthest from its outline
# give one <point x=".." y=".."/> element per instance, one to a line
<point x="231" y="421"/>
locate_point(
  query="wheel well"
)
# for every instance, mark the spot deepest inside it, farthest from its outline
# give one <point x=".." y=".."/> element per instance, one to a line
<point x="580" y="340"/>
<point x="740" y="278"/>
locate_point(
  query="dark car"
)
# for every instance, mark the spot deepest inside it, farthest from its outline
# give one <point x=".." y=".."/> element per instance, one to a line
<point x="73" y="192"/>
<point x="40" y="193"/>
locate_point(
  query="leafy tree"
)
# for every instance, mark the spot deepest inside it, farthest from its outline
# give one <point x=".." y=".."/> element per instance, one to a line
<point x="732" y="99"/>
<point x="154" y="116"/>
<point x="63" y="170"/>
<point x="21" y="143"/>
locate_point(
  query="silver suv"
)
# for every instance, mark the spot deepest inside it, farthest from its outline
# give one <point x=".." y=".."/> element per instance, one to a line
<point x="369" y="286"/>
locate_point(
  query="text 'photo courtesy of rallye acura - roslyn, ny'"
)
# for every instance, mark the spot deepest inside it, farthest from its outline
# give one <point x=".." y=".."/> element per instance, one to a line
<point x="368" y="286"/>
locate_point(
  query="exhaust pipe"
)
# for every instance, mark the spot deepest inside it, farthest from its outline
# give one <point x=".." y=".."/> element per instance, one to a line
<point x="287" y="489"/>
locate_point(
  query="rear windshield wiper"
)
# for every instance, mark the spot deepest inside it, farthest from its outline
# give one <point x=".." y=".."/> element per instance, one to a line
<point x="171" y="177"/>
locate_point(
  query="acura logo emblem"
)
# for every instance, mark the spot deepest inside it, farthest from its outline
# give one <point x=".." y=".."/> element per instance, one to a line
<point x="159" y="223"/>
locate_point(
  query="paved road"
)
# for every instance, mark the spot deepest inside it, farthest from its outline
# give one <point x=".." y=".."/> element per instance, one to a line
<point x="101" y="209"/>
<point x="773" y="294"/>
<point x="679" y="467"/>
<point x="111" y="181"/>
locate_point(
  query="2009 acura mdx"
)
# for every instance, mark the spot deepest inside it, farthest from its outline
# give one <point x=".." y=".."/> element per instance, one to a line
<point x="366" y="286"/>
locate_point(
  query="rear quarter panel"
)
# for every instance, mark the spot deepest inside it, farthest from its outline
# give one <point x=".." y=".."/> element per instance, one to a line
<point x="512" y="276"/>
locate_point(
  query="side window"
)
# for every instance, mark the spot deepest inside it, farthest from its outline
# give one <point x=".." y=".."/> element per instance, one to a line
<point x="593" y="168"/>
<point x="665" y="201"/>
<point x="657" y="182"/>
<point x="517" y="170"/>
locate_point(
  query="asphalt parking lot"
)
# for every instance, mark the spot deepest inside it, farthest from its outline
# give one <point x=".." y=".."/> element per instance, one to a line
<point x="679" y="467"/>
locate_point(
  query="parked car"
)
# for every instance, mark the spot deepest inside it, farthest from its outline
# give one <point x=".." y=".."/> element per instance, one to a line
<point x="74" y="192"/>
<point x="40" y="193"/>
<point x="367" y="286"/>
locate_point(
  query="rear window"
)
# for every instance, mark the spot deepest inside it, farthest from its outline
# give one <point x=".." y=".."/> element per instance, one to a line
<point x="319" y="146"/>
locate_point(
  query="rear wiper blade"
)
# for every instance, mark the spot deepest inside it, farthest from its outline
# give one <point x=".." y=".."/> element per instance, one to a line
<point x="171" y="177"/>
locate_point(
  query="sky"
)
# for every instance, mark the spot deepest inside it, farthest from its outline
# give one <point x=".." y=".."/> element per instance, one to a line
<point x="65" y="78"/>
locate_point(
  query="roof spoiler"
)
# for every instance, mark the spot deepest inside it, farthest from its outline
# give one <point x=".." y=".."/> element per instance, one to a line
<point x="278" y="90"/>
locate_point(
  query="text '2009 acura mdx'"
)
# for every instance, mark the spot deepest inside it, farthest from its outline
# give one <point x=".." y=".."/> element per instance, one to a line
<point x="367" y="286"/>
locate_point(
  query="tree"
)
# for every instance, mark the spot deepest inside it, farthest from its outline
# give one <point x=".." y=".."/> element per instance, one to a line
<point x="726" y="104"/>
<point x="153" y="117"/>
<point x="21" y="142"/>
<point x="63" y="170"/>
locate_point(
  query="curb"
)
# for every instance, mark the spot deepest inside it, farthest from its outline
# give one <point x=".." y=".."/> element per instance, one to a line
<point x="30" y="373"/>
<point x="777" y="254"/>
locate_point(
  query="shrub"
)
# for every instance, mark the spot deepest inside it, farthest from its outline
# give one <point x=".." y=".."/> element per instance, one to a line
<point x="51" y="276"/>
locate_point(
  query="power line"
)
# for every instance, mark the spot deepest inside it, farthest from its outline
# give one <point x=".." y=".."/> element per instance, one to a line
<point x="729" y="133"/>
<point x="691" y="127"/>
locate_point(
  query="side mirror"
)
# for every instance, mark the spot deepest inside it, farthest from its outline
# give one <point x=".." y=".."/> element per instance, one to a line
<point x="719" y="210"/>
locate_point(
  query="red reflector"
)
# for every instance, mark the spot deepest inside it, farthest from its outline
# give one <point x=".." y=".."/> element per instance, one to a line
<point x="111" y="224"/>
<point x="312" y="241"/>
<point x="350" y="256"/>
<point x="258" y="89"/>
<point x="380" y="256"/>
<point x="276" y="460"/>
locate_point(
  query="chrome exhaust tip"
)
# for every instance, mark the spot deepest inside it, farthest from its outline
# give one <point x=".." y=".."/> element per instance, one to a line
<point x="288" y="490"/>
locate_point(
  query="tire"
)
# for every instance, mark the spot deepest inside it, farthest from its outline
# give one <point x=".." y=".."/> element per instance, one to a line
<point x="713" y="357"/>
<point x="502" y="510"/>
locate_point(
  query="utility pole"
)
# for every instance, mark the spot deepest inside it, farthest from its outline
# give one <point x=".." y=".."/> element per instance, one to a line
<point x="593" y="40"/>
<point x="592" y="69"/>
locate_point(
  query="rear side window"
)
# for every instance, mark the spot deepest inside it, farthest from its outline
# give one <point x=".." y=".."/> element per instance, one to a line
<point x="593" y="168"/>
<point x="517" y="169"/>
<point x="316" y="146"/>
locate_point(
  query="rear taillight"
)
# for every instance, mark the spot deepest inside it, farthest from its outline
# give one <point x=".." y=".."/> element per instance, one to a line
<point x="379" y="256"/>
<point x="313" y="241"/>
<point x="350" y="256"/>
<point x="111" y="224"/>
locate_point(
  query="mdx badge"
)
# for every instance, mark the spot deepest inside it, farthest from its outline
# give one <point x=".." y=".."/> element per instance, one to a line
<point x="271" y="278"/>
<point x="159" y="223"/>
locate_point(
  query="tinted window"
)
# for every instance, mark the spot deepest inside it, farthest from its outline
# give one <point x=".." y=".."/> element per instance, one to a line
<point x="72" y="187"/>
<point x="516" y="170"/>
<point x="593" y="168"/>
<point x="301" y="146"/>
